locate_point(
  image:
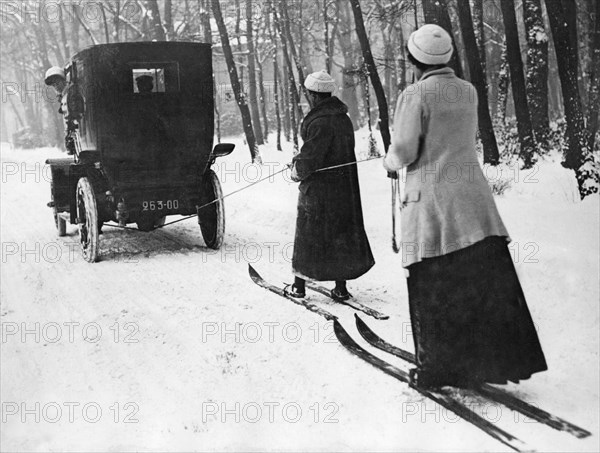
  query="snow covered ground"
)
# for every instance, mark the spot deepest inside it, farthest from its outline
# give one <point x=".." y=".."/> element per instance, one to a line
<point x="165" y="345"/>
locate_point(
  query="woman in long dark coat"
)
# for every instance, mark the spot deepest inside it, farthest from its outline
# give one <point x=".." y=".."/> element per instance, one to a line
<point x="330" y="241"/>
<point x="469" y="316"/>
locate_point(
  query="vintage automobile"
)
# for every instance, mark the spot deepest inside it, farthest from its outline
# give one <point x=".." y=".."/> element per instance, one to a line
<point x="143" y="143"/>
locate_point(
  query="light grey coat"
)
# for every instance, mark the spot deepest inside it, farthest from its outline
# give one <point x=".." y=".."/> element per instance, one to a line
<point x="448" y="204"/>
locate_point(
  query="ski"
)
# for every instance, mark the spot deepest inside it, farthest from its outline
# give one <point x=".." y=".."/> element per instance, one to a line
<point x="350" y="302"/>
<point x="256" y="278"/>
<point x="441" y="398"/>
<point x="486" y="390"/>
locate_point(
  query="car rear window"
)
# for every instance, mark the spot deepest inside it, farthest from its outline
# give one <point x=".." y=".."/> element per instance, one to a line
<point x="154" y="77"/>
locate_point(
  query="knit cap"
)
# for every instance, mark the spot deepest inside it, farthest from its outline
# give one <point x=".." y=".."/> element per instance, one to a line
<point x="431" y="45"/>
<point x="320" y="82"/>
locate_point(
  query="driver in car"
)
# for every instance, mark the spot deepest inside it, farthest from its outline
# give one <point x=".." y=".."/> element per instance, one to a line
<point x="71" y="103"/>
<point x="145" y="83"/>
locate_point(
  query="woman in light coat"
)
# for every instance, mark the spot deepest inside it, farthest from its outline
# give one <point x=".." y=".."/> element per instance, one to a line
<point x="469" y="316"/>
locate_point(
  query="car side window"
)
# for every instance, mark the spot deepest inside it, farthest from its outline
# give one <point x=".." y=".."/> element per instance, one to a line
<point x="154" y="77"/>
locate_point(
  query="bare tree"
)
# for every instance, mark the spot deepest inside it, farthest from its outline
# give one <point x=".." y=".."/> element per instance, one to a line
<point x="273" y="39"/>
<point x="252" y="76"/>
<point x="594" y="90"/>
<point x="436" y="12"/>
<point x="170" y="32"/>
<point x="371" y="69"/>
<point x="503" y="85"/>
<point x="204" y="13"/>
<point x="293" y="98"/>
<point x="577" y="156"/>
<point x="346" y="40"/>
<point x="285" y="25"/>
<point x="479" y="28"/>
<point x="517" y="79"/>
<point x="486" y="129"/>
<point x="235" y="82"/>
<point x="537" y="70"/>
<point x="155" y="29"/>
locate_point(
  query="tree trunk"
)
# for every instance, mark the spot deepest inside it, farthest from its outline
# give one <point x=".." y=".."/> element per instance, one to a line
<point x="87" y="29"/>
<point x="205" y="20"/>
<point x="537" y="70"/>
<point x="238" y="35"/>
<point x="372" y="72"/>
<point x="155" y="28"/>
<point x="63" y="38"/>
<point x="294" y="96"/>
<point x="273" y="38"/>
<point x="285" y="22"/>
<point x="401" y="62"/>
<point x="303" y="59"/>
<point x="388" y="67"/>
<point x="517" y="79"/>
<point x="346" y="41"/>
<point x="326" y="36"/>
<point x="260" y="62"/>
<point x="235" y="81"/>
<point x="169" y="20"/>
<point x="503" y="85"/>
<point x="252" y="76"/>
<point x="262" y="100"/>
<point x="577" y="153"/>
<point x="56" y="47"/>
<point x="486" y="129"/>
<point x="207" y="37"/>
<point x="285" y="102"/>
<point x="74" y="32"/>
<point x="479" y="28"/>
<point x="43" y="60"/>
<point x="16" y="111"/>
<point x="105" y="22"/>
<point x="277" y="101"/>
<point x="570" y="17"/>
<point x="594" y="90"/>
<point x="436" y="12"/>
<point x="116" y="21"/>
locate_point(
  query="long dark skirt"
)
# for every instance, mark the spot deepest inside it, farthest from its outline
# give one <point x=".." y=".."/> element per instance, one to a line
<point x="469" y="315"/>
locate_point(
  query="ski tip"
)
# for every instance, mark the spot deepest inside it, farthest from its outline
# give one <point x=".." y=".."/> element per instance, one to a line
<point x="359" y="322"/>
<point x="253" y="274"/>
<point x="338" y="329"/>
<point x="341" y="334"/>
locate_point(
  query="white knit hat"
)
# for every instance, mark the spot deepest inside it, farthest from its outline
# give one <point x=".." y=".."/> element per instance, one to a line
<point x="320" y="81"/>
<point x="431" y="45"/>
<point x="54" y="71"/>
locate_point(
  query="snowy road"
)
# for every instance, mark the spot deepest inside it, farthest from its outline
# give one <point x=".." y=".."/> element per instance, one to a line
<point x="165" y="345"/>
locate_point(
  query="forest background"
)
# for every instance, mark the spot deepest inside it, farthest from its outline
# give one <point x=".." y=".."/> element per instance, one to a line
<point x="534" y="63"/>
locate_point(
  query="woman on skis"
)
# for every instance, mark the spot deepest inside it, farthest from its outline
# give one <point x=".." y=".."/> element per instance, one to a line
<point x="330" y="242"/>
<point x="469" y="316"/>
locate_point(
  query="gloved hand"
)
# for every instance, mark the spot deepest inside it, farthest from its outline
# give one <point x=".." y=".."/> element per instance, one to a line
<point x="390" y="174"/>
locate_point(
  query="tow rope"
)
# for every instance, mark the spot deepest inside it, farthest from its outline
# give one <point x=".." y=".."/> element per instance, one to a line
<point x="288" y="166"/>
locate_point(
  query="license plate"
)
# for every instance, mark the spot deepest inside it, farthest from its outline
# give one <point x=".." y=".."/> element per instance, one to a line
<point x="160" y="205"/>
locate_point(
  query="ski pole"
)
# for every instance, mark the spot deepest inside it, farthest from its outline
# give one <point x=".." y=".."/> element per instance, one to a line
<point x="394" y="184"/>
